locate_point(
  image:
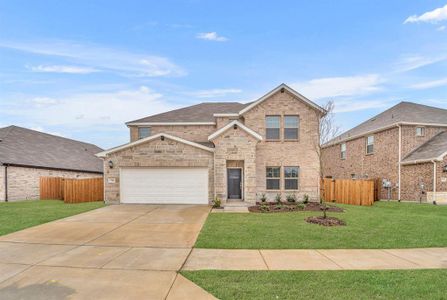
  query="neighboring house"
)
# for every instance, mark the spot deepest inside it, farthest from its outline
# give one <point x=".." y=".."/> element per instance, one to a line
<point x="405" y="145"/>
<point x="229" y="150"/>
<point x="26" y="155"/>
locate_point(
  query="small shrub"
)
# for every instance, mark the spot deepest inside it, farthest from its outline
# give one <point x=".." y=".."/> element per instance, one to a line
<point x="217" y="202"/>
<point x="264" y="208"/>
<point x="278" y="198"/>
<point x="306" y="198"/>
<point x="278" y="206"/>
<point x="300" y="206"/>
<point x="291" y="198"/>
<point x="263" y="198"/>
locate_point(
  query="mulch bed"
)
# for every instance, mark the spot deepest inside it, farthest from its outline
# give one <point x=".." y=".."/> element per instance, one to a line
<point x="328" y="221"/>
<point x="273" y="207"/>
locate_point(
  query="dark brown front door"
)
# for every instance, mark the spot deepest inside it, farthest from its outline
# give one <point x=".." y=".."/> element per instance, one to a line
<point x="234" y="183"/>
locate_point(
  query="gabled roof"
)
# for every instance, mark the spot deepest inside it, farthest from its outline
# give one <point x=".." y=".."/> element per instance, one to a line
<point x="402" y="113"/>
<point x="202" y="112"/>
<point x="239" y="125"/>
<point x="433" y="150"/>
<point x="25" y="147"/>
<point x="278" y="89"/>
<point x="153" y="137"/>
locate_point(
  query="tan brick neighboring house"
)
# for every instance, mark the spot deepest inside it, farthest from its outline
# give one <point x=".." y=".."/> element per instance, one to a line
<point x="26" y="155"/>
<point x="230" y="150"/>
<point x="407" y="147"/>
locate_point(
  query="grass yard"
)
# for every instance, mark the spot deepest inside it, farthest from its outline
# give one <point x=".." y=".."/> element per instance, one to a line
<point x="384" y="225"/>
<point x="16" y="216"/>
<point x="403" y="284"/>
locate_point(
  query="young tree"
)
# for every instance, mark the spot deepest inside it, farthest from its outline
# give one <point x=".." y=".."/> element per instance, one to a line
<point x="328" y="131"/>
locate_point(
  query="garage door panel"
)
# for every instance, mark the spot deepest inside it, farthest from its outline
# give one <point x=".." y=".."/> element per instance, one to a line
<point x="164" y="185"/>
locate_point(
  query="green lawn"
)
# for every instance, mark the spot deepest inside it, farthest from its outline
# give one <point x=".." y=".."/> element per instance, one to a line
<point x="15" y="216"/>
<point x="384" y="225"/>
<point x="404" y="284"/>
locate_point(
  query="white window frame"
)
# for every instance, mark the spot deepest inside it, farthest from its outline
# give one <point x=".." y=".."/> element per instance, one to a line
<point x="297" y="127"/>
<point x="278" y="128"/>
<point x="267" y="178"/>
<point x="292" y="178"/>
<point x="343" y="151"/>
<point x="370" y="143"/>
<point x="422" y="131"/>
<point x="139" y="134"/>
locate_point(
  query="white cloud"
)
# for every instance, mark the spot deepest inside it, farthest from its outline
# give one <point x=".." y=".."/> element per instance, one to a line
<point x="215" y="93"/>
<point x="211" y="36"/>
<point x="414" y="61"/>
<point x="62" y="69"/>
<point x="351" y="105"/>
<point x="86" y="110"/>
<point x="433" y="16"/>
<point x="41" y="129"/>
<point x="44" y="101"/>
<point x="339" y="86"/>
<point x="102" y="58"/>
<point x="429" y="84"/>
<point x="441" y="28"/>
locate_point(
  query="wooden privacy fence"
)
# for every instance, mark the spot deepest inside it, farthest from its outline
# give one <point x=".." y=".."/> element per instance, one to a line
<point x="349" y="191"/>
<point x="72" y="190"/>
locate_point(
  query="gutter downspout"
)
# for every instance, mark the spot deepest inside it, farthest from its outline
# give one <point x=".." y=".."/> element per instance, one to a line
<point x="400" y="160"/>
<point x="434" y="181"/>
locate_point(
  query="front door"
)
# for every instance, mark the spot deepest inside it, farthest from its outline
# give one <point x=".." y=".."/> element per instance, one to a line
<point x="234" y="183"/>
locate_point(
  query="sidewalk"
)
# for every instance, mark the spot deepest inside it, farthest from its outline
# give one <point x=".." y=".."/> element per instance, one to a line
<point x="327" y="259"/>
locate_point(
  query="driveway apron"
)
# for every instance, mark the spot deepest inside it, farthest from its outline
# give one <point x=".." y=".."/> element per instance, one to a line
<point x="115" y="252"/>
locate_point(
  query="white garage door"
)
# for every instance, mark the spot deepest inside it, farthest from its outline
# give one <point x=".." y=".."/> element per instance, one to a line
<point x="164" y="185"/>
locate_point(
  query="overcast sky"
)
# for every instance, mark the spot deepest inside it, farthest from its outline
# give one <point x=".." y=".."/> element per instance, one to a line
<point x="81" y="69"/>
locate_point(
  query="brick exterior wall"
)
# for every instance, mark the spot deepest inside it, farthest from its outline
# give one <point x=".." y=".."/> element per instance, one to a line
<point x="194" y="133"/>
<point x="412" y="177"/>
<point x="156" y="153"/>
<point x="301" y="153"/>
<point x="410" y="141"/>
<point x="23" y="183"/>
<point x="441" y="185"/>
<point x="383" y="163"/>
<point x="2" y="183"/>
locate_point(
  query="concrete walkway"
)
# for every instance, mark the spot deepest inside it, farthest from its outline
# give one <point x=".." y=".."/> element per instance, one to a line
<point x="115" y="252"/>
<point x="334" y="259"/>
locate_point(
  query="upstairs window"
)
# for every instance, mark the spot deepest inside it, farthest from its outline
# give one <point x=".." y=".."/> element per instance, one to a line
<point x="272" y="127"/>
<point x="420" y="131"/>
<point x="370" y="144"/>
<point x="273" y="178"/>
<point x="291" y="126"/>
<point x="144" y="132"/>
<point x="343" y="151"/>
<point x="291" y="178"/>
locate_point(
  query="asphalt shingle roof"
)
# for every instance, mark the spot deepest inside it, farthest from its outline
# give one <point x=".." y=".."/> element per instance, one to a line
<point x="26" y="147"/>
<point x="433" y="148"/>
<point x="402" y="112"/>
<point x="202" y="112"/>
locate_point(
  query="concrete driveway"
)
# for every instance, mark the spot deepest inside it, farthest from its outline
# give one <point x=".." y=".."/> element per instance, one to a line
<point x="115" y="252"/>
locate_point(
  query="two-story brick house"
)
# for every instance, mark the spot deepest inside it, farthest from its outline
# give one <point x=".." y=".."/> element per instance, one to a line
<point x="405" y="145"/>
<point x="230" y="150"/>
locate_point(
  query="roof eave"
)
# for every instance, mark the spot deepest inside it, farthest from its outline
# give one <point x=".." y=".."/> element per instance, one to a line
<point x="104" y="154"/>
<point x="217" y="133"/>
